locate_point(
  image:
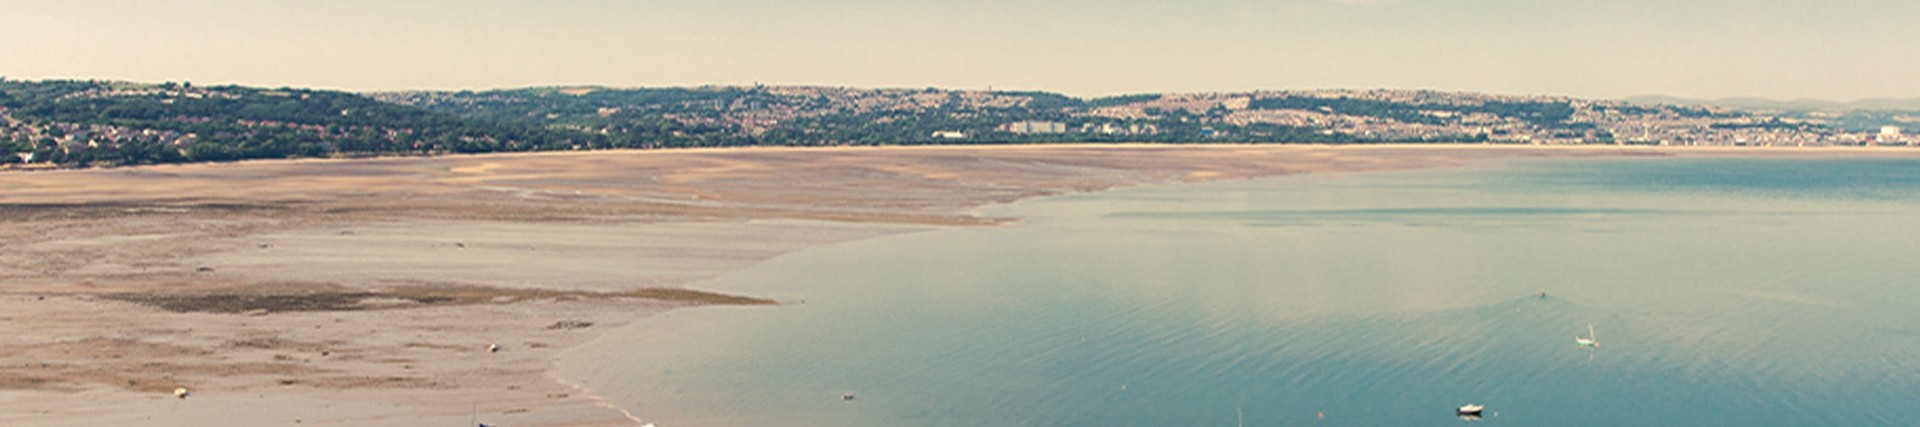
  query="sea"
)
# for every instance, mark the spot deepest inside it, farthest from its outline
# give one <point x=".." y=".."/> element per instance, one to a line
<point x="1720" y="291"/>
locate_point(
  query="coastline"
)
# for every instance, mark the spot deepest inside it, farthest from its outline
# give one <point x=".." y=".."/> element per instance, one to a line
<point x="441" y="257"/>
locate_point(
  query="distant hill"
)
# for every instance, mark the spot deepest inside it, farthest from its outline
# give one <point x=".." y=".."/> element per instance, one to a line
<point x="1800" y="105"/>
<point x="104" y="123"/>
<point x="805" y="115"/>
<point x="1863" y="115"/>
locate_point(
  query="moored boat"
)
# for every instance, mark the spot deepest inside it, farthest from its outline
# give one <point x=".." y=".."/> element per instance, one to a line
<point x="1469" y="409"/>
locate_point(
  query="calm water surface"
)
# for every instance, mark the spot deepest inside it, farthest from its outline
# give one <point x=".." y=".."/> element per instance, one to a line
<point x="1723" y="292"/>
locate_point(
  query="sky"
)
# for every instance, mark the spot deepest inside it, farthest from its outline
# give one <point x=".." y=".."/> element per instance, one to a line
<point x="1831" y="49"/>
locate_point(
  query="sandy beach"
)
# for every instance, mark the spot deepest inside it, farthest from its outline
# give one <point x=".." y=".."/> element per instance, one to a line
<point x="429" y="291"/>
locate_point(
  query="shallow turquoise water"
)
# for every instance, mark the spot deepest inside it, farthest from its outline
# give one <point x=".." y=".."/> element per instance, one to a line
<point x="1723" y="291"/>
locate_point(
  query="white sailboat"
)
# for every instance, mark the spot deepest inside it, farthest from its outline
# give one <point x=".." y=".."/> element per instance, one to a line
<point x="1591" y="342"/>
<point x="1587" y="341"/>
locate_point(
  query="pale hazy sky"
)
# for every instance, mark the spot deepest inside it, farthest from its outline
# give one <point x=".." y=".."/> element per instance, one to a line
<point x="1841" y="49"/>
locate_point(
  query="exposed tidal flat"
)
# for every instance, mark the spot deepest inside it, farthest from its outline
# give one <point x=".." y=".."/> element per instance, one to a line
<point x="368" y="292"/>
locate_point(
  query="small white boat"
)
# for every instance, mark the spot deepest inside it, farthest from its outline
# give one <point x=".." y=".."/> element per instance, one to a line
<point x="1469" y="410"/>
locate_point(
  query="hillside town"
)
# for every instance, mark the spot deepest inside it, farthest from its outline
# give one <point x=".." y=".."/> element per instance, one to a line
<point x="989" y="116"/>
<point x="105" y="123"/>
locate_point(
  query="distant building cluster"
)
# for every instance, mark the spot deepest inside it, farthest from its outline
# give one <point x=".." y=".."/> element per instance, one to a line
<point x="66" y="138"/>
<point x="1356" y="115"/>
<point x="1111" y="128"/>
<point x="171" y="120"/>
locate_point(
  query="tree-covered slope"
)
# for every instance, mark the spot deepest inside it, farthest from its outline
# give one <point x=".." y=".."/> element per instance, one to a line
<point x="111" y="123"/>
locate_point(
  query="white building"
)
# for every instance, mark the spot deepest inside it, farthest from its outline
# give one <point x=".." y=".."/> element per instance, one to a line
<point x="949" y="134"/>
<point x="1034" y="127"/>
<point x="1890" y="134"/>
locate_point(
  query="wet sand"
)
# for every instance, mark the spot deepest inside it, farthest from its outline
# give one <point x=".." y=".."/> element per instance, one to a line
<point x="376" y="291"/>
